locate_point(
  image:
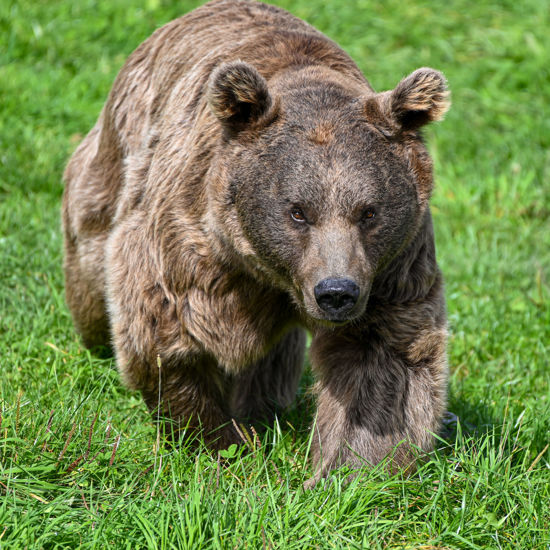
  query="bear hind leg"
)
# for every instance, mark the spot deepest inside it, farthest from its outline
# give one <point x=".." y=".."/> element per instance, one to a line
<point x="85" y="293"/>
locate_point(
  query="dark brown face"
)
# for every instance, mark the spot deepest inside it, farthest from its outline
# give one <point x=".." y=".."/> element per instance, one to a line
<point x="326" y="192"/>
<point x="325" y="207"/>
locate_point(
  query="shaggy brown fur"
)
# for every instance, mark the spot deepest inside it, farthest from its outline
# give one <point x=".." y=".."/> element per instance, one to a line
<point x="244" y="182"/>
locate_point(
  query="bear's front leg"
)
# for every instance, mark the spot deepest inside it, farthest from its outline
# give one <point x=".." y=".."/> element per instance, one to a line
<point x="381" y="389"/>
<point x="156" y="353"/>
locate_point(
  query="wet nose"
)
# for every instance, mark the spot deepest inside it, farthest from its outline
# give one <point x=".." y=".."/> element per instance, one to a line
<point x="336" y="296"/>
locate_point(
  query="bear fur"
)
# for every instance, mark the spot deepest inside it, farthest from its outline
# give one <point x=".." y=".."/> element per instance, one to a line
<point x="244" y="183"/>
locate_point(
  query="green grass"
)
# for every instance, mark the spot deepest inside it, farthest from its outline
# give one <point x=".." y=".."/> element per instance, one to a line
<point x="80" y="463"/>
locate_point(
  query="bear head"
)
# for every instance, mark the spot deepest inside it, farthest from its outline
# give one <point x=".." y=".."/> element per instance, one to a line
<point x="320" y="182"/>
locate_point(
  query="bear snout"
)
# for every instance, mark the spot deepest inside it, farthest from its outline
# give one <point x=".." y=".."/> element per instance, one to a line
<point x="336" y="297"/>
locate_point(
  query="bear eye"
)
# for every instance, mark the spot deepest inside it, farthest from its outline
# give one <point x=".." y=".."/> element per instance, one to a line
<point x="368" y="214"/>
<point x="298" y="215"/>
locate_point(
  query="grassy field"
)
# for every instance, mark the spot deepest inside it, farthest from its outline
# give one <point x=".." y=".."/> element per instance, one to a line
<point x="80" y="463"/>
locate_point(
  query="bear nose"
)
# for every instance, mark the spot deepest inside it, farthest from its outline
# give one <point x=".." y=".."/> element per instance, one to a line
<point x="336" y="296"/>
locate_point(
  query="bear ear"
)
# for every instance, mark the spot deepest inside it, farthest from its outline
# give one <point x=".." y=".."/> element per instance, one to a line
<point x="419" y="98"/>
<point x="238" y="95"/>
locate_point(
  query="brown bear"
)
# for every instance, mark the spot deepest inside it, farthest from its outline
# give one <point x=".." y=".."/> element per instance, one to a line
<point x="243" y="183"/>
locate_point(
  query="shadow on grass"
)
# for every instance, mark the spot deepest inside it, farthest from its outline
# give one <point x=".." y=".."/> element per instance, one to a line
<point x="102" y="352"/>
<point x="474" y="424"/>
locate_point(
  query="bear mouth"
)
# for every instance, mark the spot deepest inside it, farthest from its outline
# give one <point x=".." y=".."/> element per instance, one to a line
<point x="336" y="320"/>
